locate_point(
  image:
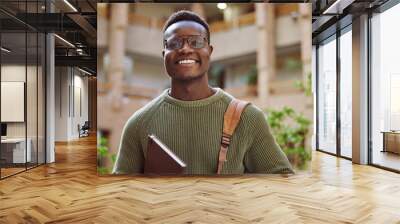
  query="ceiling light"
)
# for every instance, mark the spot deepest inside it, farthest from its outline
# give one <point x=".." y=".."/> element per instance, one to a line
<point x="5" y="50"/>
<point x="70" y="5"/>
<point x="221" y="6"/>
<point x="337" y="7"/>
<point x="65" y="41"/>
<point x="84" y="71"/>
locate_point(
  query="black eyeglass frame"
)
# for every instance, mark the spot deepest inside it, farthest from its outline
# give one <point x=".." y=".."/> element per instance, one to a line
<point x="186" y="38"/>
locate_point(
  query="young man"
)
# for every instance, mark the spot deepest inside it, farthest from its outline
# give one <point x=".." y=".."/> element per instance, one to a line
<point x="188" y="117"/>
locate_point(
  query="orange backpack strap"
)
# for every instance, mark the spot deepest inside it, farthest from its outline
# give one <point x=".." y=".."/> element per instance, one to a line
<point x="231" y="120"/>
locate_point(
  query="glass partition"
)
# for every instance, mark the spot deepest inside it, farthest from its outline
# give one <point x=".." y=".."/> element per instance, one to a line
<point x="31" y="100"/>
<point x="22" y="89"/>
<point x="385" y="89"/>
<point x="327" y="95"/>
<point x="346" y="93"/>
<point x="14" y="154"/>
<point x="41" y="85"/>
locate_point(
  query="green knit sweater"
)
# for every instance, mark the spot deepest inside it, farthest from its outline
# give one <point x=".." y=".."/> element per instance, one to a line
<point x="193" y="130"/>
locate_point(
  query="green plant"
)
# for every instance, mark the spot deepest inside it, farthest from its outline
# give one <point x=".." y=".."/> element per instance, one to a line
<point x="292" y="64"/>
<point x="305" y="86"/>
<point x="290" y="130"/>
<point x="103" y="155"/>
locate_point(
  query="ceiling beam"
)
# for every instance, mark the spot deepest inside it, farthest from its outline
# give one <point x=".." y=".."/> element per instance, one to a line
<point x="84" y="24"/>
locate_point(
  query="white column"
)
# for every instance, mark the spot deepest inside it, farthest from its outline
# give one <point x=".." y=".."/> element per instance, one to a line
<point x="314" y="94"/>
<point x="198" y="9"/>
<point x="119" y="22"/>
<point x="265" y="20"/>
<point x="50" y="99"/>
<point x="306" y="38"/>
<point x="62" y="103"/>
<point x="360" y="90"/>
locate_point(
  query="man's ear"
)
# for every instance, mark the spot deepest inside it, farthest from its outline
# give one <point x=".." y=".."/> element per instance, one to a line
<point x="211" y="49"/>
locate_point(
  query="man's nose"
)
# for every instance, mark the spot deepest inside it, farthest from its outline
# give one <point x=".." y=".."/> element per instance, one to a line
<point x="186" y="47"/>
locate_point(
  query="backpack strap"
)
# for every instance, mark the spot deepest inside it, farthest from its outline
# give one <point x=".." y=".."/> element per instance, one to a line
<point x="231" y="120"/>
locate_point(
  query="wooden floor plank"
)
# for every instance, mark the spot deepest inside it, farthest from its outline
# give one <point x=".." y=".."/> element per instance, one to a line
<point x="70" y="191"/>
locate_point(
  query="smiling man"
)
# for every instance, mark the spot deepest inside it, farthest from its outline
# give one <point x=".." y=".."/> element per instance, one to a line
<point x="189" y="116"/>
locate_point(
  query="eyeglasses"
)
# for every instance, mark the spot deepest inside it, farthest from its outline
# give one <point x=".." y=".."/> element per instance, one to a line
<point x="195" y="42"/>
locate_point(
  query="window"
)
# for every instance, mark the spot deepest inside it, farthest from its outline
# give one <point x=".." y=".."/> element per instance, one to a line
<point x="327" y="96"/>
<point x="346" y="93"/>
<point x="385" y="88"/>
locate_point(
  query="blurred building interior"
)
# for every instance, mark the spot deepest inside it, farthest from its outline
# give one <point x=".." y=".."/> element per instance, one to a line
<point x="261" y="51"/>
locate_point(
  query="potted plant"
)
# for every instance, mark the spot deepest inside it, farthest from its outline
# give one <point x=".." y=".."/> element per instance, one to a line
<point x="290" y="130"/>
<point x="103" y="154"/>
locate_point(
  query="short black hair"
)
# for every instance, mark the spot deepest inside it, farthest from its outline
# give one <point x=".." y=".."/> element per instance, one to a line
<point x="184" y="15"/>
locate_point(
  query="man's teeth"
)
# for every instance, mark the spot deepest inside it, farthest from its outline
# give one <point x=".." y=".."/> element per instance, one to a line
<point x="188" y="61"/>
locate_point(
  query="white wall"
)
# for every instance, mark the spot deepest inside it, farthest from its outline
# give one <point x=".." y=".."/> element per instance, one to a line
<point x="13" y="72"/>
<point x="67" y="114"/>
<point x="80" y="100"/>
<point x="16" y="73"/>
<point x="33" y="126"/>
<point x="61" y="103"/>
<point x="12" y="101"/>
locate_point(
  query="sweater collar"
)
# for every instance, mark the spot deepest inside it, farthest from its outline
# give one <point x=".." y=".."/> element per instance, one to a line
<point x="195" y="103"/>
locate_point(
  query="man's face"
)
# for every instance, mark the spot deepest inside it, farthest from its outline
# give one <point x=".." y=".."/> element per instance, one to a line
<point x="187" y="62"/>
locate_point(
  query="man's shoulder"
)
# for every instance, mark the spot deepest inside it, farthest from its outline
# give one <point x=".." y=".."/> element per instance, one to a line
<point x="252" y="117"/>
<point x="253" y="111"/>
<point x="146" y="111"/>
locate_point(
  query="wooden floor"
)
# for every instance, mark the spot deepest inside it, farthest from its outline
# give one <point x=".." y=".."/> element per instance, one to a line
<point x="5" y="172"/>
<point x="10" y="171"/>
<point x="387" y="159"/>
<point x="70" y="191"/>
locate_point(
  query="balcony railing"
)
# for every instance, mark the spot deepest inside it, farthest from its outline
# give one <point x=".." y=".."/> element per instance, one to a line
<point x="218" y="26"/>
<point x="153" y="22"/>
<point x="129" y="90"/>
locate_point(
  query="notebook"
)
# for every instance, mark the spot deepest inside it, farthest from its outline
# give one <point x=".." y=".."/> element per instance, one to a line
<point x="160" y="160"/>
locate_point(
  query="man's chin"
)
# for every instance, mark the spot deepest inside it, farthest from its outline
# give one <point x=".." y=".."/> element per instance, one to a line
<point x="187" y="77"/>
